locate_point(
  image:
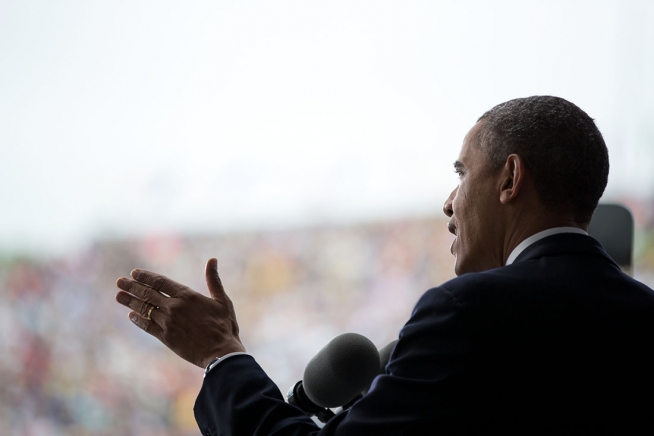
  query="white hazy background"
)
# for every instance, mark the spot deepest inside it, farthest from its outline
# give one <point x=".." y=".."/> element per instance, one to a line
<point x="132" y="117"/>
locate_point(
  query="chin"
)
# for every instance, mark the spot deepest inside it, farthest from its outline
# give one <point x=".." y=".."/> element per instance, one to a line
<point x="458" y="269"/>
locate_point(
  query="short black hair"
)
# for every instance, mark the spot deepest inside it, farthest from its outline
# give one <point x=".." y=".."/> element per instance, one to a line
<point x="561" y="146"/>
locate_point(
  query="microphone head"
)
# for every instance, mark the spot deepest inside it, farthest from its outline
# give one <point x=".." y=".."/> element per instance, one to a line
<point x="341" y="370"/>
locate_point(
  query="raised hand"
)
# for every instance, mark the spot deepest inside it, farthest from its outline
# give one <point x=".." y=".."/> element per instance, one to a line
<point x="196" y="327"/>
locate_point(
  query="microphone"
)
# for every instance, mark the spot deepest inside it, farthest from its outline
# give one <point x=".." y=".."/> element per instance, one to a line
<point x="384" y="357"/>
<point x="336" y="375"/>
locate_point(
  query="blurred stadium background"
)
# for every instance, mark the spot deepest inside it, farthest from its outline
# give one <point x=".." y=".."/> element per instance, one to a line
<point x="306" y="146"/>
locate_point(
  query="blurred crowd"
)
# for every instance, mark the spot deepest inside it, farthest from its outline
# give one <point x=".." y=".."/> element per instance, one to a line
<point x="73" y="364"/>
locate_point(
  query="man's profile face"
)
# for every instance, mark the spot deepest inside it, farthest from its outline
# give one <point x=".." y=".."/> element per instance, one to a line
<point x="473" y="209"/>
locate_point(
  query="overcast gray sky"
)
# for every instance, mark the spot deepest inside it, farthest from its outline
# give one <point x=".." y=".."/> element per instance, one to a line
<point x="132" y="117"/>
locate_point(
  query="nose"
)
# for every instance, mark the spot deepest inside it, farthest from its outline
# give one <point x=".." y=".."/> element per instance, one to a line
<point x="447" y="207"/>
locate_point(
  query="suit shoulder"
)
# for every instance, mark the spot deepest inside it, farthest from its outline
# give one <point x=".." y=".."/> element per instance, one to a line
<point x="483" y="288"/>
<point x="458" y="291"/>
<point x="478" y="282"/>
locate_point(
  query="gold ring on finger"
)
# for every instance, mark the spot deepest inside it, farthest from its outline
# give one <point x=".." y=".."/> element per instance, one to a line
<point x="149" y="318"/>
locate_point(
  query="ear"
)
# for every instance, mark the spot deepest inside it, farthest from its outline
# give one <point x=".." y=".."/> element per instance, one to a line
<point x="512" y="178"/>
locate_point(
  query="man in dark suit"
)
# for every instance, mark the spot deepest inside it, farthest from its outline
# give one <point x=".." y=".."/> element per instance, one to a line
<point x="540" y="333"/>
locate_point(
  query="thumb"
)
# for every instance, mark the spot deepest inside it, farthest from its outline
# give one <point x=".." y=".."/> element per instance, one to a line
<point x="213" y="280"/>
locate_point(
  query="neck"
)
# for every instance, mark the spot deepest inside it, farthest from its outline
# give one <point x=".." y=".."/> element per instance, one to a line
<point x="526" y="225"/>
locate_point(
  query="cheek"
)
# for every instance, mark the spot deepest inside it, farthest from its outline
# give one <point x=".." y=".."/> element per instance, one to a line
<point x="469" y="221"/>
<point x="459" y="202"/>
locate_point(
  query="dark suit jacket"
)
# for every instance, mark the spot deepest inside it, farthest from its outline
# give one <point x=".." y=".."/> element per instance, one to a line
<point x="559" y="342"/>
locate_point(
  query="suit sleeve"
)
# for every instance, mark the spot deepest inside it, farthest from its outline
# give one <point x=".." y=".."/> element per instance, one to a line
<point x="237" y="398"/>
<point x="421" y="388"/>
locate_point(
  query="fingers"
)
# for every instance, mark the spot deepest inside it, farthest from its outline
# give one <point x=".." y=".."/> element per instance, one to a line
<point x="140" y="291"/>
<point x="214" y="283"/>
<point x="158" y="282"/>
<point x="141" y="307"/>
<point x="143" y="315"/>
<point x="149" y="326"/>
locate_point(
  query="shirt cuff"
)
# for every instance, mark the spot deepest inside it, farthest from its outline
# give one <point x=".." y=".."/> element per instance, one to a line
<point x="217" y="360"/>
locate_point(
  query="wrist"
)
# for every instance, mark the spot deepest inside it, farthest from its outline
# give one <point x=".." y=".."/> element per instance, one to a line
<point x="217" y="354"/>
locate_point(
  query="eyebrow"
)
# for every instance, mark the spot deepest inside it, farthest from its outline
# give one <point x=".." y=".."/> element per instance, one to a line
<point x="458" y="165"/>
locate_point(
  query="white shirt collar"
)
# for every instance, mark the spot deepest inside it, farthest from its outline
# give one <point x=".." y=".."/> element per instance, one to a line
<point x="538" y="236"/>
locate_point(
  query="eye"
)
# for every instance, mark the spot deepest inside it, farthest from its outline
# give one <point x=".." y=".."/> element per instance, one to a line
<point x="459" y="172"/>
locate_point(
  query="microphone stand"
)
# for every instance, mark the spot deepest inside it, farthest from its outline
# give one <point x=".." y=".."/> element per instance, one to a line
<point x="297" y="397"/>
